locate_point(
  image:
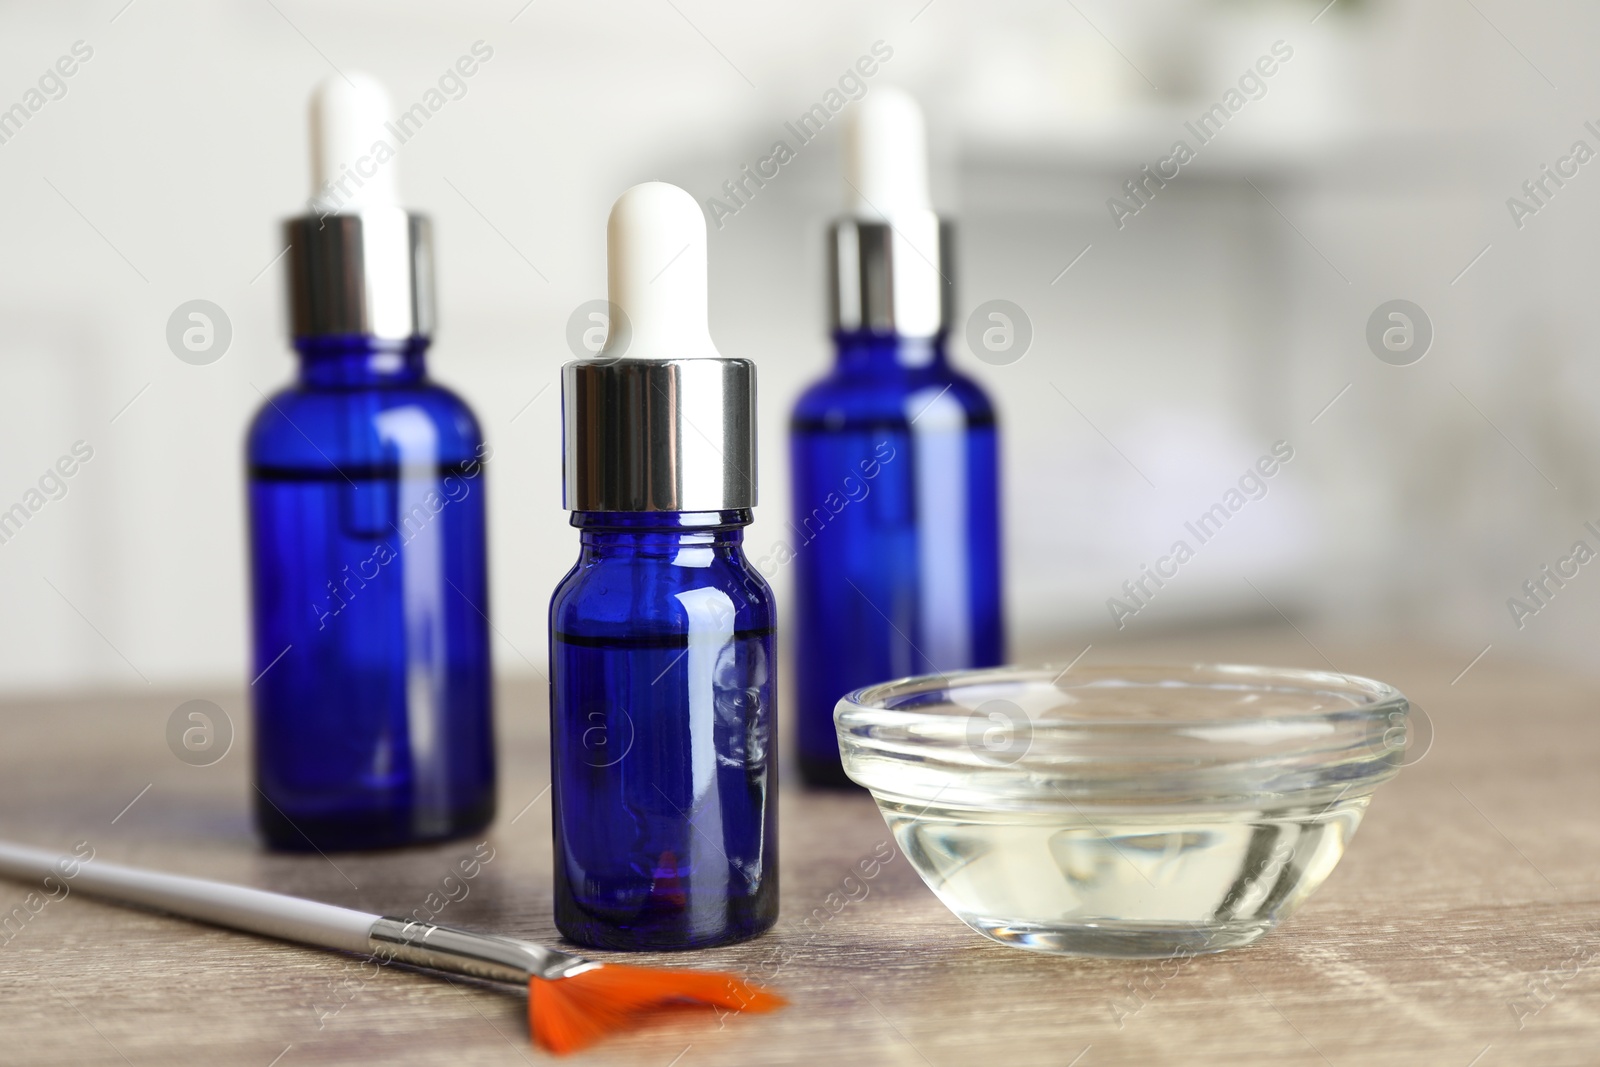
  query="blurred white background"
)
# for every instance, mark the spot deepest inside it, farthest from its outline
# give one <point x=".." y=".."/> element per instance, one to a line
<point x="1223" y="317"/>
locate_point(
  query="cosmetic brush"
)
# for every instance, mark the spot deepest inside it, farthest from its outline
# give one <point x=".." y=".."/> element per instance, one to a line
<point x="572" y="1001"/>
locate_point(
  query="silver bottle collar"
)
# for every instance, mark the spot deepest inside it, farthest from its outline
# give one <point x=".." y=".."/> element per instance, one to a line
<point x="369" y="274"/>
<point x="891" y="277"/>
<point x="659" y="434"/>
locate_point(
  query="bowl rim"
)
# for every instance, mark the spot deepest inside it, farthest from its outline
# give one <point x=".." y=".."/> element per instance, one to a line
<point x="867" y="704"/>
<point x="1333" y="752"/>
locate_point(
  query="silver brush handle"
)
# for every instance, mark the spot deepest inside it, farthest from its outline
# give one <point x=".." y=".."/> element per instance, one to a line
<point x="502" y="959"/>
<point x="445" y="948"/>
<point x="239" y="907"/>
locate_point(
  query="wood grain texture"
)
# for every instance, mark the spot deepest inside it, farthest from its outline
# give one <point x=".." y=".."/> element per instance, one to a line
<point x="1467" y="899"/>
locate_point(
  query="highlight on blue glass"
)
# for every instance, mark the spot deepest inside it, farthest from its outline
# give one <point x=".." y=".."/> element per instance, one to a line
<point x="372" y="676"/>
<point x="662" y="655"/>
<point x="894" y="454"/>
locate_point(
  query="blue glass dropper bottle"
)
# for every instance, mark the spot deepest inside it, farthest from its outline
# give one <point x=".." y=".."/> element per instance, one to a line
<point x="372" y="683"/>
<point x="661" y="636"/>
<point x="894" y="454"/>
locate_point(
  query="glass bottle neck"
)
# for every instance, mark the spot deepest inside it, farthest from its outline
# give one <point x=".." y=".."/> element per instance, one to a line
<point x="354" y="361"/>
<point x="609" y="534"/>
<point x="867" y="352"/>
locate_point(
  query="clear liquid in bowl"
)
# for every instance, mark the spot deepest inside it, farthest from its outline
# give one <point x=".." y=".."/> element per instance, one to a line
<point x="1113" y="884"/>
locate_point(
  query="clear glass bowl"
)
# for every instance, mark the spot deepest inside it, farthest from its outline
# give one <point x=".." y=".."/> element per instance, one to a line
<point x="1124" y="811"/>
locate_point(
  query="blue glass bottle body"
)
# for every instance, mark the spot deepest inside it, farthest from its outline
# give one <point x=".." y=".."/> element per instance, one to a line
<point x="662" y="666"/>
<point x="373" y="691"/>
<point x="896" y="529"/>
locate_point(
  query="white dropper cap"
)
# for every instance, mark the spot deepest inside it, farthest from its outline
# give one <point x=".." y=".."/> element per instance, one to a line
<point x="347" y="119"/>
<point x="656" y="271"/>
<point x="886" y="156"/>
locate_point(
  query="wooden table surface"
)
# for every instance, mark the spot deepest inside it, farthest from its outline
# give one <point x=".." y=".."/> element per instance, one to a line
<point x="1463" y="926"/>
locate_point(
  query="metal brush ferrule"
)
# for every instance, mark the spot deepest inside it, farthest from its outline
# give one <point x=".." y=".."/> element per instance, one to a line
<point x="445" y="948"/>
<point x="891" y="277"/>
<point x="367" y="274"/>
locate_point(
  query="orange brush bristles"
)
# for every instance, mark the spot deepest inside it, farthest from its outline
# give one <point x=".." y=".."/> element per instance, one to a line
<point x="566" y="1014"/>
